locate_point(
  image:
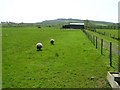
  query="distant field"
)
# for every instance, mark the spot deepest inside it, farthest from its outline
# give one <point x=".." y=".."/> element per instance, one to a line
<point x="70" y="63"/>
<point x="108" y="32"/>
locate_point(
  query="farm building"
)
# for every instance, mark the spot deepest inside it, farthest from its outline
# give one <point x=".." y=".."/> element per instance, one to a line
<point x="74" y="26"/>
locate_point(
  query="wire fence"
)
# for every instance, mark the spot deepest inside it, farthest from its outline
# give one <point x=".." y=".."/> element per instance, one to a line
<point x="106" y="48"/>
<point x="113" y="35"/>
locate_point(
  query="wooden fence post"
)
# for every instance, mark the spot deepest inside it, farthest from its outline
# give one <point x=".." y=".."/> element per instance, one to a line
<point x="89" y="36"/>
<point x="114" y="36"/>
<point x="119" y="57"/>
<point x="93" y="40"/>
<point x="110" y="53"/>
<point x="104" y="33"/>
<point x="96" y="42"/>
<point x="101" y="46"/>
<point x="119" y="63"/>
<point x="110" y="35"/>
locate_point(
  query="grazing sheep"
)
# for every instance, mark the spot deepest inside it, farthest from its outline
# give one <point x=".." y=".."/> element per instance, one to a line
<point x="52" y="41"/>
<point x="39" y="46"/>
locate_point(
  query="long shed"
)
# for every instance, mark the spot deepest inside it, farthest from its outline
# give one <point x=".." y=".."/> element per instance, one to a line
<point x="74" y="26"/>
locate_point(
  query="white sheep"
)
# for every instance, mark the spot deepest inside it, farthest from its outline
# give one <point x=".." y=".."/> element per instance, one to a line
<point x="52" y="41"/>
<point x="39" y="46"/>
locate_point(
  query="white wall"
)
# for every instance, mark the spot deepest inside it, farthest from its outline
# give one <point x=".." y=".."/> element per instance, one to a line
<point x="119" y="12"/>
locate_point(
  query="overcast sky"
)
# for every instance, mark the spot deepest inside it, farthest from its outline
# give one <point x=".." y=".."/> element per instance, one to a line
<point x="39" y="10"/>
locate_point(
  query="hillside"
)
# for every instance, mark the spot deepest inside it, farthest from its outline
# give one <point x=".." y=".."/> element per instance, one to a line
<point x="66" y="21"/>
<point x="57" y="22"/>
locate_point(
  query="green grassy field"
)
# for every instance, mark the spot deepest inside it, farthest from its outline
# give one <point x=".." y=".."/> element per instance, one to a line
<point x="114" y="33"/>
<point x="107" y="37"/>
<point x="106" y="45"/>
<point x="70" y="63"/>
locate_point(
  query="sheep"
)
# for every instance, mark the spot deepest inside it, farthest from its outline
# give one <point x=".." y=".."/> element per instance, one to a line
<point x="52" y="41"/>
<point x="39" y="46"/>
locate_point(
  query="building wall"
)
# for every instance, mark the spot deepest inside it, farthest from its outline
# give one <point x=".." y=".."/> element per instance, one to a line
<point x="73" y="27"/>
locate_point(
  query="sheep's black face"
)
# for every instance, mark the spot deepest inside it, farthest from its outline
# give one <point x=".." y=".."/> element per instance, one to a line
<point x="39" y="47"/>
<point x="52" y="42"/>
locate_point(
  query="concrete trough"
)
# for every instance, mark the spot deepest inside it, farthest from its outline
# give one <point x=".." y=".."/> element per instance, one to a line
<point x="114" y="79"/>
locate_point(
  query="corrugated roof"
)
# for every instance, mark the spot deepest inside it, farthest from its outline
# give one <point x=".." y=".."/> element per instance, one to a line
<point x="76" y="23"/>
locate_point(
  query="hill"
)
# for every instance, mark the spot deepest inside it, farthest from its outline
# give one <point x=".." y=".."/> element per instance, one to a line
<point x="66" y="21"/>
<point x="56" y="22"/>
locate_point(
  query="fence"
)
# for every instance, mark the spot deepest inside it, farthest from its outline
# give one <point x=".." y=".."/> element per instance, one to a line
<point x="113" y="36"/>
<point x="106" y="47"/>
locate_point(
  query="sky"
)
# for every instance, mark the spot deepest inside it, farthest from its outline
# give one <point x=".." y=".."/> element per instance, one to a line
<point x="31" y="11"/>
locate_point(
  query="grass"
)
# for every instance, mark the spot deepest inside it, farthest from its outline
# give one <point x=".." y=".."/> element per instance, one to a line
<point x="106" y="43"/>
<point x="108" y="32"/>
<point x="106" y="38"/>
<point x="70" y="63"/>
